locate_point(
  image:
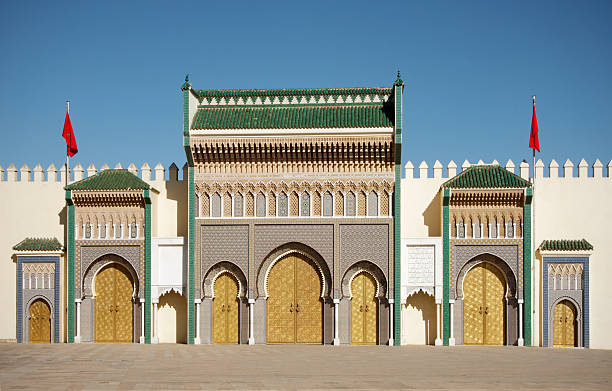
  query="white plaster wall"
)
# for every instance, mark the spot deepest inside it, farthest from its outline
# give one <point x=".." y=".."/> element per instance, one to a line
<point x="27" y="209"/>
<point x="576" y="208"/>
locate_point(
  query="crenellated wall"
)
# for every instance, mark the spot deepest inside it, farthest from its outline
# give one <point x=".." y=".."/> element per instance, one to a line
<point x="570" y="202"/>
<point x="33" y="205"/>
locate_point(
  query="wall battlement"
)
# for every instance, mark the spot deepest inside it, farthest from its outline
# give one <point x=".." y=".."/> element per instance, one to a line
<point x="567" y="171"/>
<point x="53" y="175"/>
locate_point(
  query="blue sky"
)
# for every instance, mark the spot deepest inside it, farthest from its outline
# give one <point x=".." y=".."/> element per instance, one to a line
<point x="469" y="67"/>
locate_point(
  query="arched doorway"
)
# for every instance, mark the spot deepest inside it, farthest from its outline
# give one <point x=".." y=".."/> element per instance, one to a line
<point x="172" y="318"/>
<point x="294" y="305"/>
<point x="484" y="290"/>
<point x="364" y="310"/>
<point x="225" y="310"/>
<point x="564" y="326"/>
<point x="40" y="322"/>
<point x="113" y="305"/>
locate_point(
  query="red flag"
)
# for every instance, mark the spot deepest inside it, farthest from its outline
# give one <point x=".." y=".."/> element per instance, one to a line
<point x="68" y="134"/>
<point x="534" y="141"/>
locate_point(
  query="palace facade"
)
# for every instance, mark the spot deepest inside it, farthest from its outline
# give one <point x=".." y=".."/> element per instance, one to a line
<point x="293" y="223"/>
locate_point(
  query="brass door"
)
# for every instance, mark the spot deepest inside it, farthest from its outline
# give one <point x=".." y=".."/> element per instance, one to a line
<point x="113" y="305"/>
<point x="294" y="302"/>
<point x="564" y="326"/>
<point x="364" y="310"/>
<point x="40" y="322"/>
<point x="484" y="306"/>
<point x="225" y="309"/>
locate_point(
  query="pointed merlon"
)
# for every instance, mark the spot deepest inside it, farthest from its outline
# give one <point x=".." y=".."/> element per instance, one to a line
<point x="524" y="169"/>
<point x="495" y="163"/>
<point x="118" y="166"/>
<point x="145" y="172"/>
<point x="25" y="173"/>
<point x="437" y="169"/>
<point x="452" y="169"/>
<point x="132" y="168"/>
<point x="104" y="167"/>
<point x="423" y="167"/>
<point x="409" y="170"/>
<point x="173" y="172"/>
<point x="91" y="170"/>
<point x="568" y="169"/>
<point x="465" y="165"/>
<point x="38" y="173"/>
<point x="510" y="166"/>
<point x="51" y="173"/>
<point x="597" y="169"/>
<point x="539" y="169"/>
<point x="553" y="169"/>
<point x="481" y="163"/>
<point x="583" y="169"/>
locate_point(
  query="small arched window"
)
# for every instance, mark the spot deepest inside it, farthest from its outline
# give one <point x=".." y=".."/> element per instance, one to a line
<point x="328" y="204"/>
<point x="133" y="232"/>
<point x="373" y="204"/>
<point x="493" y="229"/>
<point x="238" y="205"/>
<point x="305" y="204"/>
<point x="460" y="229"/>
<point x="509" y="229"/>
<point x="215" y="201"/>
<point x="476" y="229"/>
<point x="87" y="230"/>
<point x="260" y="205"/>
<point x="572" y="282"/>
<point x="118" y="234"/>
<point x="351" y="204"/>
<point x="558" y="282"/>
<point x="103" y="230"/>
<point x="283" y="204"/>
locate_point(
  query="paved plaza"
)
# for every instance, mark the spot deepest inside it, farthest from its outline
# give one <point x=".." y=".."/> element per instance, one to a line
<point x="282" y="367"/>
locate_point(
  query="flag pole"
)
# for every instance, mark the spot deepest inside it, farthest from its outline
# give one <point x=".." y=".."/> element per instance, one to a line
<point x="67" y="148"/>
<point x="533" y="150"/>
<point x="533" y="240"/>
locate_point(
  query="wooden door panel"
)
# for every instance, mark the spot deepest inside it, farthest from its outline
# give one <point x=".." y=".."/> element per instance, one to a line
<point x="309" y="319"/>
<point x="124" y="312"/>
<point x="40" y="322"/>
<point x="218" y="304"/>
<point x="370" y="311"/>
<point x="231" y="310"/>
<point x="494" y="305"/>
<point x="473" y="306"/>
<point x="280" y="307"/>
<point x="105" y="305"/>
<point x="357" y="308"/>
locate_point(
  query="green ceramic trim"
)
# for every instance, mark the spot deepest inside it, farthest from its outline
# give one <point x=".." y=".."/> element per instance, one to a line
<point x="190" y="216"/>
<point x="445" y="267"/>
<point x="397" y="259"/>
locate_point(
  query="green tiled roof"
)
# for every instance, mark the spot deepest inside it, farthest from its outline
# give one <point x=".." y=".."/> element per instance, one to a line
<point x="307" y="92"/>
<point x="110" y="180"/>
<point x="565" y="245"/>
<point x="301" y="117"/>
<point x="38" y="244"/>
<point x="483" y="177"/>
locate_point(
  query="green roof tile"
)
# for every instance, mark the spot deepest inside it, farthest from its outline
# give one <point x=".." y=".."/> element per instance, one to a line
<point x="38" y="244"/>
<point x="110" y="180"/>
<point x="286" y="117"/>
<point x="307" y="92"/>
<point x="565" y="245"/>
<point x="484" y="177"/>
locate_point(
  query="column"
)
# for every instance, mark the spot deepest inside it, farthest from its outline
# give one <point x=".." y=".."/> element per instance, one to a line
<point x="77" y="338"/>
<point x="251" y="312"/>
<point x="438" y="323"/>
<point x="451" y="340"/>
<point x="336" y="305"/>
<point x="391" y="312"/>
<point x="142" y="320"/>
<point x="521" y="340"/>
<point x="155" y="338"/>
<point x="197" y="339"/>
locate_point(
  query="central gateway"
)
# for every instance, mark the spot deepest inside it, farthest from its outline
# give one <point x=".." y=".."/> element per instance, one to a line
<point x="484" y="290"/>
<point x="114" y="312"/>
<point x="294" y="302"/>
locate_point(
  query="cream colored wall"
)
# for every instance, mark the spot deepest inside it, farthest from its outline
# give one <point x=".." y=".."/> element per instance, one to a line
<point x="172" y="312"/>
<point x="418" y="320"/>
<point x="572" y="204"/>
<point x="33" y="206"/>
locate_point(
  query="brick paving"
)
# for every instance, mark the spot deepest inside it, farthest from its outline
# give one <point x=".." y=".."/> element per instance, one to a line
<point x="130" y="366"/>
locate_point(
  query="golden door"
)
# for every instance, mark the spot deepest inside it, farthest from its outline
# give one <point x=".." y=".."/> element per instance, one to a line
<point x="225" y="310"/>
<point x="294" y="305"/>
<point x="113" y="305"/>
<point x="483" y="306"/>
<point x="364" y="310"/>
<point x="564" y="326"/>
<point x="40" y="322"/>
